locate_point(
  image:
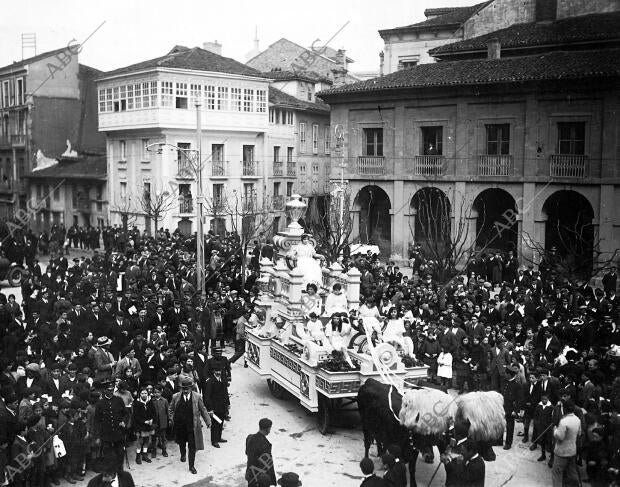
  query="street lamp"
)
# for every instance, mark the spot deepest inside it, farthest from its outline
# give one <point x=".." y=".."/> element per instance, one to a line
<point x="196" y="155"/>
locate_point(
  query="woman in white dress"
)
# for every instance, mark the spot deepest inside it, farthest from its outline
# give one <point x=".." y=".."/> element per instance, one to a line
<point x="338" y="335"/>
<point x="394" y="332"/>
<point x="311" y="302"/>
<point x="307" y="261"/>
<point x="370" y="316"/>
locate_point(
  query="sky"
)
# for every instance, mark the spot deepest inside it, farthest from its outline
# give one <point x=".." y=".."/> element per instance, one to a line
<point x="135" y="31"/>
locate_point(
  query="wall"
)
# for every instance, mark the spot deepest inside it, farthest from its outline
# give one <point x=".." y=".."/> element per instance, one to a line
<point x="54" y="120"/>
<point x="499" y="15"/>
<point x="571" y="8"/>
<point x="49" y="77"/>
<point x="411" y="45"/>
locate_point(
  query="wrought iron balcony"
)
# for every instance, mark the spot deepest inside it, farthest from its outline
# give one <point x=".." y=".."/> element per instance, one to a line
<point x="250" y="169"/>
<point x="495" y="165"/>
<point x="18" y="140"/>
<point x="278" y="169"/>
<point x="429" y="165"/>
<point x="278" y="202"/>
<point x="569" y="166"/>
<point x="371" y="165"/>
<point x="219" y="169"/>
<point x="186" y="205"/>
<point x="291" y="170"/>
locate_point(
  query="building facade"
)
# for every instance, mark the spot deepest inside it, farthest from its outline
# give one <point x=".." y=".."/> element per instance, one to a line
<point x="45" y="100"/>
<point x="148" y="113"/>
<point x="515" y="146"/>
<point x="71" y="192"/>
<point x="299" y="139"/>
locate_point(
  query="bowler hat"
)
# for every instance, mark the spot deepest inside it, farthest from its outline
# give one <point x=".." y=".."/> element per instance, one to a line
<point x="289" y="479"/>
<point x="187" y="382"/>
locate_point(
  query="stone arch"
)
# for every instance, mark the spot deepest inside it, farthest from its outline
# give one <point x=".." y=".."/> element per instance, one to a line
<point x="374" y="207"/>
<point x="496" y="223"/>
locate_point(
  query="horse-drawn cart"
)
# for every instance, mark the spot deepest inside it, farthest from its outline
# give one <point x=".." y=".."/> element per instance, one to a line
<point x="319" y="390"/>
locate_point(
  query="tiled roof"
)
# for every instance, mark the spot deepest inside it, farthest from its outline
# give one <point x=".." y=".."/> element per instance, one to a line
<point x="195" y="58"/>
<point x="330" y="52"/>
<point x="82" y="168"/>
<point x="281" y="99"/>
<point x="557" y="65"/>
<point x="595" y="27"/>
<point x="310" y="76"/>
<point x="455" y="17"/>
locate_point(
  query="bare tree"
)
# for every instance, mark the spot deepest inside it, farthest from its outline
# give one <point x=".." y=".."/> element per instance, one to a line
<point x="127" y="210"/>
<point x="330" y="220"/>
<point x="155" y="204"/>
<point x="248" y="215"/>
<point x="578" y="256"/>
<point x="444" y="240"/>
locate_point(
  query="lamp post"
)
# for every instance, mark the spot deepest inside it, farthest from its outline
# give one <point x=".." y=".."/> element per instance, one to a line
<point x="197" y="155"/>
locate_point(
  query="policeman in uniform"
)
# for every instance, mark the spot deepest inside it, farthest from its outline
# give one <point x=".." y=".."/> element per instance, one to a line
<point x="110" y="420"/>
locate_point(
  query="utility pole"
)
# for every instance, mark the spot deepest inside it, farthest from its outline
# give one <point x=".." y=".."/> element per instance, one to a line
<point x="200" y="256"/>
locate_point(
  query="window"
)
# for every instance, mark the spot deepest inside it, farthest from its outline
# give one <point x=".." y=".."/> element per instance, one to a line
<point x="153" y="93"/>
<point x="248" y="153"/>
<point x="217" y="152"/>
<point x="146" y="187"/>
<point x="101" y="101"/>
<point x="248" y="190"/>
<point x="315" y="139"/>
<point x="222" y="97"/>
<point x="167" y="94"/>
<point x="289" y="154"/>
<point x="248" y="100"/>
<point x="498" y="139"/>
<point x="146" y="155"/>
<point x="289" y="189"/>
<point x="289" y="118"/>
<point x="276" y="153"/>
<point x="315" y="169"/>
<point x="373" y="142"/>
<point x="56" y="193"/>
<point x="210" y="97"/>
<point x="276" y="189"/>
<point x="261" y="101"/>
<point x="302" y="137"/>
<point x="327" y="137"/>
<point x="123" y="150"/>
<point x="183" y="161"/>
<point x="109" y="104"/>
<point x="571" y="138"/>
<point x="20" y="91"/>
<point x="272" y="115"/>
<point x="181" y="95"/>
<point x="130" y="98"/>
<point x="5" y="94"/>
<point x="310" y="92"/>
<point x="123" y="189"/>
<point x="12" y="92"/>
<point x="432" y="141"/>
<point x="218" y="194"/>
<point x="122" y="100"/>
<point x="302" y="171"/>
<point x="406" y="64"/>
<point x="235" y="95"/>
<point x="195" y="94"/>
<point x="137" y="95"/>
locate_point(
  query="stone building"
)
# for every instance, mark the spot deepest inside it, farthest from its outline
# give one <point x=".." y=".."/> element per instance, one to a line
<point x="45" y="100"/>
<point x="514" y="133"/>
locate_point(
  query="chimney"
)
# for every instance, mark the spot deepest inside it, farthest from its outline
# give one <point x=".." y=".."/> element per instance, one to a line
<point x="381" y="58"/>
<point x="340" y="77"/>
<point x="214" y="47"/>
<point x="494" y="49"/>
<point x="341" y="58"/>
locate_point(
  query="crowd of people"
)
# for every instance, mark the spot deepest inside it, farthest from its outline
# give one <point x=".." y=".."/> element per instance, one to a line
<point x="119" y="349"/>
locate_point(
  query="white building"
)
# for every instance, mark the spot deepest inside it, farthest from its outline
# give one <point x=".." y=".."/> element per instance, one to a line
<point x="153" y="102"/>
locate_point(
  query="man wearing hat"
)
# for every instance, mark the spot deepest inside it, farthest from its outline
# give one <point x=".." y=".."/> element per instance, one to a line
<point x="500" y="358"/>
<point x="110" y="420"/>
<point x="512" y="393"/>
<point x="258" y="452"/>
<point x="217" y="402"/>
<point x="186" y="409"/>
<point x="32" y="378"/>
<point x="110" y="476"/>
<point x="103" y="360"/>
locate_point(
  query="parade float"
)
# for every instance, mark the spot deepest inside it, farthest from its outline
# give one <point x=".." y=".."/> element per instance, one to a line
<point x="323" y="378"/>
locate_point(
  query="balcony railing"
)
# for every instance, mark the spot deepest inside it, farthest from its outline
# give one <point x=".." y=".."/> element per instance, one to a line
<point x="429" y="165"/>
<point x="185" y="169"/>
<point x="5" y="141"/>
<point x="186" y="204"/>
<point x="495" y="165"/>
<point x="18" y="139"/>
<point x="569" y="166"/>
<point x="217" y="206"/>
<point x="291" y="170"/>
<point x="371" y="165"/>
<point x="278" y="169"/>
<point x="278" y="202"/>
<point x="250" y="168"/>
<point x="219" y="169"/>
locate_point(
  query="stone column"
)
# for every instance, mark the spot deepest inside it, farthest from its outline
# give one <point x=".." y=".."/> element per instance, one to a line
<point x="399" y="235"/>
<point x="353" y="288"/>
<point x="296" y="285"/>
